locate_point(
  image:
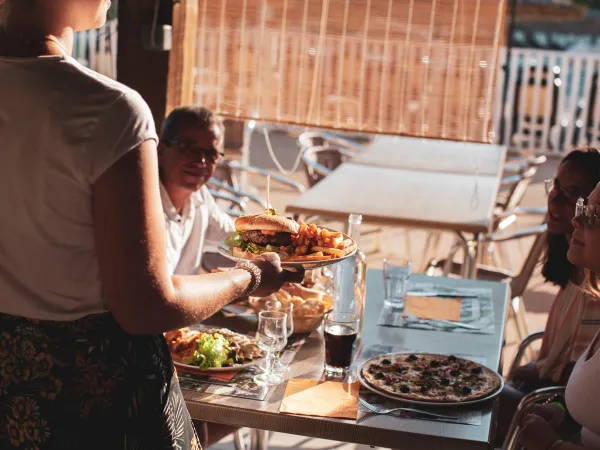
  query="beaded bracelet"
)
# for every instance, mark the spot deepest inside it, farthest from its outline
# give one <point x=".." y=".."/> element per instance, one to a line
<point x="254" y="272"/>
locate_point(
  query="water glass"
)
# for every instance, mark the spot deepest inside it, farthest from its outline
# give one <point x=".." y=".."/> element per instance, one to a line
<point x="288" y="309"/>
<point x="396" y="276"/>
<point x="271" y="337"/>
<point x="340" y="334"/>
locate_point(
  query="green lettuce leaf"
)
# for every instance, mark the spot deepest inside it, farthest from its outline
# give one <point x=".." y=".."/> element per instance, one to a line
<point x="211" y="351"/>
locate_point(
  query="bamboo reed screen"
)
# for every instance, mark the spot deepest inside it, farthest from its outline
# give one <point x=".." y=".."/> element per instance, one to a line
<point x="412" y="67"/>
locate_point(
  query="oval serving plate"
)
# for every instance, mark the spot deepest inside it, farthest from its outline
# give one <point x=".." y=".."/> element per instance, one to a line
<point x="427" y="403"/>
<point x="226" y="251"/>
<point x="189" y="367"/>
<point x="217" y="369"/>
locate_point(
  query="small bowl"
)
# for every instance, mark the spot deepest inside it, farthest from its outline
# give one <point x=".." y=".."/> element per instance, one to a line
<point x="302" y="324"/>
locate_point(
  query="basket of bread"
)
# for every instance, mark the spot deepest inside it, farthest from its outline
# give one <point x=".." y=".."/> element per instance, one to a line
<point x="310" y="305"/>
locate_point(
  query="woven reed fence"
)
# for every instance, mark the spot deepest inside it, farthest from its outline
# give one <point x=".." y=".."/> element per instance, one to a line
<point x="412" y="67"/>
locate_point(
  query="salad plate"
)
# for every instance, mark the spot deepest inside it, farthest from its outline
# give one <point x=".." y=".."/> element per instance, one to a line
<point x="212" y="349"/>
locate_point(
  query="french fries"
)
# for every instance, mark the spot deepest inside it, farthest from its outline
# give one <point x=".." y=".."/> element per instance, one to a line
<point x="318" y="244"/>
<point x="308" y="258"/>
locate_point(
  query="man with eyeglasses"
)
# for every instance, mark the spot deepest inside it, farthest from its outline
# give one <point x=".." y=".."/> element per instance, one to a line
<point x="189" y="150"/>
<point x="190" y="147"/>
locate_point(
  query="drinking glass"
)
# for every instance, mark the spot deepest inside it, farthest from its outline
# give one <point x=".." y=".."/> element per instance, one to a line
<point x="288" y="309"/>
<point x="396" y="275"/>
<point x="271" y="337"/>
<point x="340" y="333"/>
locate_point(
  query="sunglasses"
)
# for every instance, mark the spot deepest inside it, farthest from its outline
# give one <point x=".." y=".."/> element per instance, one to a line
<point x="208" y="156"/>
<point x="589" y="210"/>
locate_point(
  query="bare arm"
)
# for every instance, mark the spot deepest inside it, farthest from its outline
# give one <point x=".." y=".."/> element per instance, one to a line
<point x="131" y="249"/>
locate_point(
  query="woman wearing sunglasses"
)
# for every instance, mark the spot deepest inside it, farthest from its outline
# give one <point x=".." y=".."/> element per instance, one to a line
<point x="572" y="422"/>
<point x="574" y="316"/>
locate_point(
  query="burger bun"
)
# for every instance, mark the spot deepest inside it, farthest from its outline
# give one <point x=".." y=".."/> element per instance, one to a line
<point x="265" y="222"/>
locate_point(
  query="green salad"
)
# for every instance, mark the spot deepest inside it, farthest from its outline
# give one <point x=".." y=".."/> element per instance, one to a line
<point x="235" y="240"/>
<point x="212" y="350"/>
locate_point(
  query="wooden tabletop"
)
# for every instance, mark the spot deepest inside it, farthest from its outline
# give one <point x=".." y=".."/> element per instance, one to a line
<point x="376" y="430"/>
<point x="433" y="155"/>
<point x="403" y="197"/>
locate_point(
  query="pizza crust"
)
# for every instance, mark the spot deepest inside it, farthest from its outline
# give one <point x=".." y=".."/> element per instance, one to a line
<point x="430" y="377"/>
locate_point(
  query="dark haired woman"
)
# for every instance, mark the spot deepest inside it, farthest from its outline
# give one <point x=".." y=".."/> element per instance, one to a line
<point x="574" y="317"/>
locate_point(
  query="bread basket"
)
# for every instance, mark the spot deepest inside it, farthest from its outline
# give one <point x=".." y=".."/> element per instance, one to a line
<point x="302" y="323"/>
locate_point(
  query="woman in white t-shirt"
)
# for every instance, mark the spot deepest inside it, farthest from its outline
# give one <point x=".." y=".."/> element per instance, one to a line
<point x="552" y="426"/>
<point x="85" y="293"/>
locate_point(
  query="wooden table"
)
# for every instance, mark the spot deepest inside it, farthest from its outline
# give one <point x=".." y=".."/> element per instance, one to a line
<point x="432" y="155"/>
<point x="376" y="430"/>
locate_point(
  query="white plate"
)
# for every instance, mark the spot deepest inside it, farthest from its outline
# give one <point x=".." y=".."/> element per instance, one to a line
<point x="201" y="327"/>
<point x="425" y="403"/>
<point x="217" y="369"/>
<point x="226" y="251"/>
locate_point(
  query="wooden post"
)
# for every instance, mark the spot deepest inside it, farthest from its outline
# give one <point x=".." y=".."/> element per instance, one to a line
<point x="143" y="70"/>
<point x="182" y="60"/>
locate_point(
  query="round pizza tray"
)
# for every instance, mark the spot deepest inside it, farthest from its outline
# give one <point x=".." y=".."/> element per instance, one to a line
<point x="391" y="396"/>
<point x="226" y="251"/>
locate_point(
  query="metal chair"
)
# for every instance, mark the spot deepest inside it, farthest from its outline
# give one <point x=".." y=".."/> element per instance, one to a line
<point x="523" y="348"/>
<point x="535" y="397"/>
<point x="321" y="161"/>
<point x="226" y="182"/>
<point x="518" y="281"/>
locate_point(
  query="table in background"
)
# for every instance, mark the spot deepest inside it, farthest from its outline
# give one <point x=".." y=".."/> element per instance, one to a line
<point x="370" y="429"/>
<point x="433" y="155"/>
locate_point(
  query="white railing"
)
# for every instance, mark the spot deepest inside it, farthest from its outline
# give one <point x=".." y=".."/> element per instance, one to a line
<point x="97" y="49"/>
<point x="551" y="102"/>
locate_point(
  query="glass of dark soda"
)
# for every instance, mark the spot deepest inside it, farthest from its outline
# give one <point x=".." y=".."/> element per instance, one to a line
<point x="341" y="330"/>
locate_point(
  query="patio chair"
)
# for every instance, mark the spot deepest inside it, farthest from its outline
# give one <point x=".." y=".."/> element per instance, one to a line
<point x="513" y="188"/>
<point x="535" y="397"/>
<point x="226" y="181"/>
<point x="321" y="161"/>
<point x="518" y="281"/>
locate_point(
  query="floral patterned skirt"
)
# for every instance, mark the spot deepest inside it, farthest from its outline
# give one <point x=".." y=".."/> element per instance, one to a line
<point x="87" y="384"/>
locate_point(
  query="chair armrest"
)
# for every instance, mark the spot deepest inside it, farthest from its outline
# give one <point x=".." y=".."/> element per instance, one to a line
<point x="525" y="343"/>
<point x="353" y="146"/>
<point x="239" y="201"/>
<point x="539" y="396"/>
<point x="510" y="180"/>
<point x="519" y="234"/>
<point x="236" y="165"/>
<point x="219" y="184"/>
<point x="534" y="211"/>
<point x="319" y="168"/>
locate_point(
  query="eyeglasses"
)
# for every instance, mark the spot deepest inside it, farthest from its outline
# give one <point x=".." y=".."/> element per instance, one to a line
<point x="588" y="209"/>
<point x="208" y="156"/>
<point x="553" y="185"/>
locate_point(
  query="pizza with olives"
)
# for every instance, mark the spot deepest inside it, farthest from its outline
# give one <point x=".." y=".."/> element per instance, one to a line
<point x="429" y="377"/>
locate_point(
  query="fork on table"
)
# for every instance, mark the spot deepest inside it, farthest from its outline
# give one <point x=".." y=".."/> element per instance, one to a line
<point x="381" y="410"/>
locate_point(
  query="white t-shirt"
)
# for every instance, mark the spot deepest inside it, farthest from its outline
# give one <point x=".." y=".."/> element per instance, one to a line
<point x="199" y="227"/>
<point x="61" y="126"/>
<point x="581" y="396"/>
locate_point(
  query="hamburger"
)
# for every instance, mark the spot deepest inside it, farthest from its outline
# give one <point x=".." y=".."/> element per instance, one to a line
<point x="259" y="233"/>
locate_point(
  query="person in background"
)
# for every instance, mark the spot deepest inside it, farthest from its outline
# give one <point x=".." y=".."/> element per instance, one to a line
<point x="190" y="147"/>
<point x="574" y="316"/>
<point x="85" y="287"/>
<point x="572" y="422"/>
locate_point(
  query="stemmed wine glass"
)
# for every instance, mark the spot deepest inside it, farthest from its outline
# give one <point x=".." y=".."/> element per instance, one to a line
<point x="288" y="309"/>
<point x="271" y="337"/>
